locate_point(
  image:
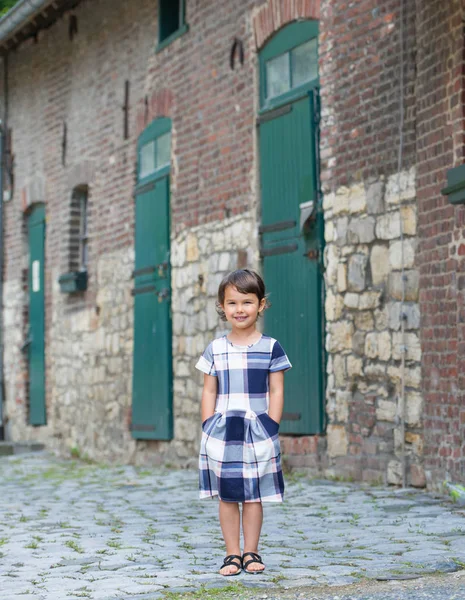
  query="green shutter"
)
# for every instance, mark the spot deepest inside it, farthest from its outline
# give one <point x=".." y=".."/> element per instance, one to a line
<point x="152" y="400"/>
<point x="36" y="347"/>
<point x="292" y="260"/>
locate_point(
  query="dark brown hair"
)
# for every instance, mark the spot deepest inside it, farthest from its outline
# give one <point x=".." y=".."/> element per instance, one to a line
<point x="245" y="281"/>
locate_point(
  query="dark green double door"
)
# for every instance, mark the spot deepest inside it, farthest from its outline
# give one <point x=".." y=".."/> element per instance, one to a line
<point x="152" y="415"/>
<point x="291" y="246"/>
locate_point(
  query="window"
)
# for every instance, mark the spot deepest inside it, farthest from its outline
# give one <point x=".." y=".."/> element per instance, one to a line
<point x="171" y="21"/>
<point x="155" y="155"/>
<point x="288" y="64"/>
<point x="78" y="254"/>
<point x="83" y="231"/>
<point x="292" y="69"/>
<point x="75" y="278"/>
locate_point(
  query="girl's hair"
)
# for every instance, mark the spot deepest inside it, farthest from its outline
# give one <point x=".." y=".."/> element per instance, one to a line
<point x="245" y="281"/>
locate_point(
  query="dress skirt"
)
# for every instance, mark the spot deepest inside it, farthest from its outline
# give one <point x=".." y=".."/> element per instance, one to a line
<point x="240" y="458"/>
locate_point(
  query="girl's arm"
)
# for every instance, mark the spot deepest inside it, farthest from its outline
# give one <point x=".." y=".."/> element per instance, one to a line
<point x="208" y="396"/>
<point x="275" y="410"/>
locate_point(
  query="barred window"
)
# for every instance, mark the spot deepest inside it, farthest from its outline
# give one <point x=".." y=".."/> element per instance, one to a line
<point x="78" y="251"/>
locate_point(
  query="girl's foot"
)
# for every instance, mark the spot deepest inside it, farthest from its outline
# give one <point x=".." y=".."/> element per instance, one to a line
<point x="232" y="565"/>
<point x="252" y="563"/>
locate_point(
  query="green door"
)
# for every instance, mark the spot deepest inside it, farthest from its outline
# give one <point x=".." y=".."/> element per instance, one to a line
<point x="36" y="341"/>
<point x="152" y="414"/>
<point x="291" y="227"/>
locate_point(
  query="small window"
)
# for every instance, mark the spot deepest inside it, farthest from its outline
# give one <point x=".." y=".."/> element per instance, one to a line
<point x="78" y="249"/>
<point x="171" y="20"/>
<point x="291" y="69"/>
<point x="83" y="232"/>
<point x="155" y="155"/>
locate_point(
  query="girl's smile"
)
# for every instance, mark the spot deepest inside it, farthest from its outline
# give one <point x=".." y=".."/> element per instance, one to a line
<point x="241" y="309"/>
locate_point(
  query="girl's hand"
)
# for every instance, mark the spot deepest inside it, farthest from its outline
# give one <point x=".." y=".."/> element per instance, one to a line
<point x="275" y="410"/>
<point x="208" y="403"/>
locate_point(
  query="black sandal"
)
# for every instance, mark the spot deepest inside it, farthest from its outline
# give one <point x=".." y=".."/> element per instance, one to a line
<point x="230" y="560"/>
<point x="256" y="558"/>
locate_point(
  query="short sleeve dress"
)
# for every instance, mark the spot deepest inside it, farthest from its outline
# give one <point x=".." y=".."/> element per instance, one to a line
<point x="240" y="456"/>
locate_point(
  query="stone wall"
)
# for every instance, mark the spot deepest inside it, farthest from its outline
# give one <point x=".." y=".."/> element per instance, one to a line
<point x="364" y="263"/>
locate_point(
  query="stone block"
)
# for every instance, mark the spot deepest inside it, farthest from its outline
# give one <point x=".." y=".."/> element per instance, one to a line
<point x="413" y="408"/>
<point x="417" y="476"/>
<point x="339" y="370"/>
<point x="357" y="273"/>
<point x="401" y="188"/>
<point x="412" y="376"/>
<point x="364" y="320"/>
<point x="411" y="285"/>
<point x="329" y="201"/>
<point x="411" y="314"/>
<point x="375" y="198"/>
<point x="375" y="371"/>
<point x="369" y="300"/>
<point x="341" y="277"/>
<point x="354" y="366"/>
<point x="357" y="199"/>
<point x="394" y="472"/>
<point x="416" y="440"/>
<point x="358" y="343"/>
<point x="361" y="230"/>
<point x="409" y="219"/>
<point x="412" y="346"/>
<point x="334" y="305"/>
<point x="337" y="440"/>
<point x="395" y="254"/>
<point x="332" y="255"/>
<point x="381" y="318"/>
<point x="351" y="300"/>
<point x="329" y="231"/>
<point x="371" y="345"/>
<point x="342" y="406"/>
<point x="379" y="264"/>
<point x="384" y="346"/>
<point x="341" y="201"/>
<point x="388" y="226"/>
<point x="340" y="336"/>
<point x="386" y="410"/>
<point x="341" y="231"/>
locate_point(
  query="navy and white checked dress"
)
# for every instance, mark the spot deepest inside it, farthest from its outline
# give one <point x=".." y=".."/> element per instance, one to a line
<point x="240" y="456"/>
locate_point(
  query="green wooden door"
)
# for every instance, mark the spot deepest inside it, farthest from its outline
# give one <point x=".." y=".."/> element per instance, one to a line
<point x="36" y="341"/>
<point x="152" y="414"/>
<point x="291" y="255"/>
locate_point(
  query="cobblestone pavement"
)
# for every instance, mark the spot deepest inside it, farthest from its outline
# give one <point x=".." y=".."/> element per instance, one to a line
<point x="73" y="530"/>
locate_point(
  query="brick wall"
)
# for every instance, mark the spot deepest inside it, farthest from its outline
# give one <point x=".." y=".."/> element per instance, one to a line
<point x="440" y="146"/>
<point x="359" y="73"/>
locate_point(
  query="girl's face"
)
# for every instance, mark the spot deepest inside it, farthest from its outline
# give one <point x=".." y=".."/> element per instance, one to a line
<point x="241" y="310"/>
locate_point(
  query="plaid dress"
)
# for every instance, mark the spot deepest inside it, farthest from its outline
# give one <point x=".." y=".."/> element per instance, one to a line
<point x="240" y="456"/>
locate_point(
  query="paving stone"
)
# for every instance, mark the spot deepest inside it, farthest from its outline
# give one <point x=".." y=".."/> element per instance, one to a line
<point x="114" y="533"/>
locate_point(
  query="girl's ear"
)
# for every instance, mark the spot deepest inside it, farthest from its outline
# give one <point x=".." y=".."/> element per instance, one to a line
<point x="262" y="304"/>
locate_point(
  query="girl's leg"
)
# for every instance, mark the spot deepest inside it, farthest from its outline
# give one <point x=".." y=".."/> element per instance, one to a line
<point x="231" y="527"/>
<point x="252" y="519"/>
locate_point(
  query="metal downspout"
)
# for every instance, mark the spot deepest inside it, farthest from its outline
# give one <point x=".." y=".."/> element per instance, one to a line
<point x="3" y="133"/>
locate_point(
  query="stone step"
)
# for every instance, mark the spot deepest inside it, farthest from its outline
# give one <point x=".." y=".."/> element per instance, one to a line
<point x="11" y="448"/>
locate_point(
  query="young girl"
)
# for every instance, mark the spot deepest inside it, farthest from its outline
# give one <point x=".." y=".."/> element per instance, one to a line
<point x="242" y="405"/>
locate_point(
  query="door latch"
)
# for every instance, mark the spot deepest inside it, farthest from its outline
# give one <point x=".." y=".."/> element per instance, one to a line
<point x="312" y="254"/>
<point x="162" y="294"/>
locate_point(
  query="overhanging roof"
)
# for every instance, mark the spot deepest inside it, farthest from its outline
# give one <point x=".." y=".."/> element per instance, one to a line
<point x="27" y="18"/>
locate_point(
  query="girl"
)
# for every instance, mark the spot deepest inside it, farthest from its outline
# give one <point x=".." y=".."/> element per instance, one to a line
<point x="242" y="405"/>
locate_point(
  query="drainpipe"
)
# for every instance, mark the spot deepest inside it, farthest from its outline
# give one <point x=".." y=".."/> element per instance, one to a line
<point x="3" y="133"/>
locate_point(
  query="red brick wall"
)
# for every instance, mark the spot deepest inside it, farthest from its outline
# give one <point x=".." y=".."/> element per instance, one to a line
<point x="359" y="74"/>
<point x="440" y="126"/>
